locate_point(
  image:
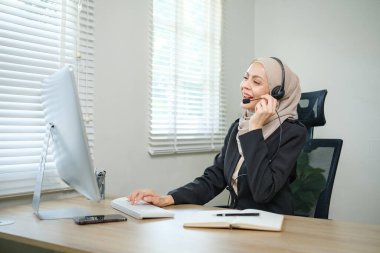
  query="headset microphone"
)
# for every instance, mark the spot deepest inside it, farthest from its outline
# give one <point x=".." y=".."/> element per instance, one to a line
<point x="248" y="100"/>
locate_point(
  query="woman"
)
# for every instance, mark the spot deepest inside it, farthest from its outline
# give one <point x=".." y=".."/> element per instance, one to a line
<point x="258" y="160"/>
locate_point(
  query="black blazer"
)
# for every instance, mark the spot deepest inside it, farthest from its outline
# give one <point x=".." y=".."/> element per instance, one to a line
<point x="262" y="184"/>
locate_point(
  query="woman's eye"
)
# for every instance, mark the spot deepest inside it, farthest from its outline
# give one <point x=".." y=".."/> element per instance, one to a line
<point x="245" y="78"/>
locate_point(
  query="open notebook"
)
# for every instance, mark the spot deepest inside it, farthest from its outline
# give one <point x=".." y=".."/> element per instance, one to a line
<point x="262" y="221"/>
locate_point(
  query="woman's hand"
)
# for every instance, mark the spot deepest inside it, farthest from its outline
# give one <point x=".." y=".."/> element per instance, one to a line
<point x="150" y="196"/>
<point x="264" y="109"/>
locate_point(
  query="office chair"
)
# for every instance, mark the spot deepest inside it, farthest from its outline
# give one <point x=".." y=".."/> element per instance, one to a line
<point x="318" y="161"/>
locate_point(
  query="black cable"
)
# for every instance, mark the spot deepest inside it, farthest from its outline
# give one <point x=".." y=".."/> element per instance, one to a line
<point x="232" y="188"/>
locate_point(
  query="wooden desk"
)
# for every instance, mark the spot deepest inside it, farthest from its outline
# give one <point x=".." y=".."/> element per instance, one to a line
<point x="167" y="235"/>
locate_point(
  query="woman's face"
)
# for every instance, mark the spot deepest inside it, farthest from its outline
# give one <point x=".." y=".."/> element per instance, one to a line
<point x="254" y="84"/>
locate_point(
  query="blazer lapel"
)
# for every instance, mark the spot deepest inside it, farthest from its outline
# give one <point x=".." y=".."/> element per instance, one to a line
<point x="232" y="155"/>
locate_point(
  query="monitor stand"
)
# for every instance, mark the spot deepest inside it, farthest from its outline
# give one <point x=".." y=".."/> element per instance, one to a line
<point x="55" y="213"/>
<point x="4" y="222"/>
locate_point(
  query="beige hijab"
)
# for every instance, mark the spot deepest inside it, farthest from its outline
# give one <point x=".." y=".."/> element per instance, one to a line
<point x="286" y="107"/>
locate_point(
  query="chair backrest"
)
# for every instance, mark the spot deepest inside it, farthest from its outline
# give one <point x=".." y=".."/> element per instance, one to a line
<point x="318" y="162"/>
<point x="316" y="171"/>
<point x="311" y="110"/>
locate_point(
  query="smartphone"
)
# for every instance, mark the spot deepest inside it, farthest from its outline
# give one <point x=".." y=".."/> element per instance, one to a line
<point x="93" y="219"/>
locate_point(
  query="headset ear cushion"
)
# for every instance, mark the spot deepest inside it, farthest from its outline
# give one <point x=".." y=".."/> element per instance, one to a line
<point x="277" y="92"/>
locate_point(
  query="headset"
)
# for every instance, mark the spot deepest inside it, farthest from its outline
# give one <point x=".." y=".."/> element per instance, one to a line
<point x="278" y="91"/>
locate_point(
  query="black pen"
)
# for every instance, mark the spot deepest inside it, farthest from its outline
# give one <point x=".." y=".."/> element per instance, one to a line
<point x="237" y="214"/>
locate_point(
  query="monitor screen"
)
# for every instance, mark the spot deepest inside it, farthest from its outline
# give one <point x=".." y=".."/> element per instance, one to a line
<point x="71" y="154"/>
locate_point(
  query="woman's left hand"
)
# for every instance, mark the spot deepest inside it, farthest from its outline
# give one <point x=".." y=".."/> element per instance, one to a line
<point x="264" y="109"/>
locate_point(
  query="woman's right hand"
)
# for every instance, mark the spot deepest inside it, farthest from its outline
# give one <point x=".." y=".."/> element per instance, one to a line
<point x="264" y="109"/>
<point x="151" y="197"/>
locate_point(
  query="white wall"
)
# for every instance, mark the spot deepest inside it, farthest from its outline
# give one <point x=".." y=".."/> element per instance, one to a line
<point x="335" y="45"/>
<point x="238" y="51"/>
<point x="330" y="44"/>
<point x="121" y="101"/>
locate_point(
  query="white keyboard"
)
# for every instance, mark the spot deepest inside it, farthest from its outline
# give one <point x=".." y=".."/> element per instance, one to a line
<point x="140" y="210"/>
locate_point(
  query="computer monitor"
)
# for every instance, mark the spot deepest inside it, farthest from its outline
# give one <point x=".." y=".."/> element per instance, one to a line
<point x="68" y="137"/>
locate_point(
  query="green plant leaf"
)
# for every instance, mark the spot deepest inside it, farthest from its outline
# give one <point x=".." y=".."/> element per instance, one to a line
<point x="308" y="185"/>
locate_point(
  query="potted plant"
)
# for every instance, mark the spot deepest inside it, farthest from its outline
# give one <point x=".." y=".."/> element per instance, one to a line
<point x="309" y="183"/>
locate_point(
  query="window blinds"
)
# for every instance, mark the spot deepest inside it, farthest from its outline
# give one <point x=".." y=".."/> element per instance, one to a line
<point x="37" y="37"/>
<point x="187" y="112"/>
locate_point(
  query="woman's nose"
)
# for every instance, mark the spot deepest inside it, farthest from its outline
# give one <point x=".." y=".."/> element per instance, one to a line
<point x="245" y="85"/>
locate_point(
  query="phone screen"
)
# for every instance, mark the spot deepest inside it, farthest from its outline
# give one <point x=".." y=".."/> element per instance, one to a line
<point x="92" y="219"/>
